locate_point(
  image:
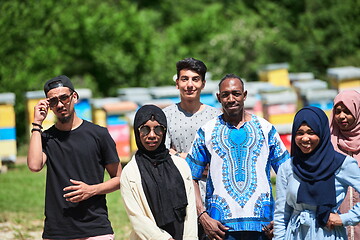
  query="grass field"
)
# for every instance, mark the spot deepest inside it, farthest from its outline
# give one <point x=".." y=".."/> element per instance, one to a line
<point x="22" y="206"/>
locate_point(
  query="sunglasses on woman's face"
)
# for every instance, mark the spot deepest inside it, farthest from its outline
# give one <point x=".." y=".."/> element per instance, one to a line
<point x="64" y="99"/>
<point x="158" y="130"/>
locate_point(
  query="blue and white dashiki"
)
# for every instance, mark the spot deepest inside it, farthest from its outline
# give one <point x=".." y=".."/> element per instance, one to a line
<point x="238" y="189"/>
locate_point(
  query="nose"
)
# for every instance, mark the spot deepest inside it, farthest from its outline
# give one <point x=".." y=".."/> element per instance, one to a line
<point x="231" y="98"/>
<point x="189" y="83"/>
<point x="59" y="102"/>
<point x="342" y="115"/>
<point x="305" y="138"/>
<point x="151" y="134"/>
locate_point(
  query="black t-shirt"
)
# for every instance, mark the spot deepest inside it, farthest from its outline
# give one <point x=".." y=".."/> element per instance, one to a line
<point x="80" y="154"/>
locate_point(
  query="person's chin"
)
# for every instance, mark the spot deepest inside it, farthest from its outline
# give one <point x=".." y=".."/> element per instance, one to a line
<point x="233" y="112"/>
<point x="64" y="119"/>
<point x="306" y="150"/>
<point x="191" y="93"/>
<point x="189" y="96"/>
<point x="343" y="126"/>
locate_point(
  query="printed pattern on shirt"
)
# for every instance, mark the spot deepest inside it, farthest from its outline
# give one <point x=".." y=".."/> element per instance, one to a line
<point x="238" y="189"/>
<point x="219" y="208"/>
<point x="239" y="151"/>
<point x="276" y="154"/>
<point x="263" y="206"/>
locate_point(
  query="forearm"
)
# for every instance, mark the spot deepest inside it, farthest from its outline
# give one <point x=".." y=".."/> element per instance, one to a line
<point x="199" y="205"/>
<point x="109" y="186"/>
<point x="352" y="217"/>
<point x="179" y="154"/>
<point x="35" y="158"/>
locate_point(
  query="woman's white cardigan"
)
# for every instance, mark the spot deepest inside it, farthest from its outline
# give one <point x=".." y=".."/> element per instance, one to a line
<point x="138" y="209"/>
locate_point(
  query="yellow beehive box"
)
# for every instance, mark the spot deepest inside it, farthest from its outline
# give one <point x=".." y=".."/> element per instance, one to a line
<point x="99" y="113"/>
<point x="344" y="78"/>
<point x="7" y="112"/>
<point x="7" y="128"/>
<point x="283" y="118"/>
<point x="349" y="84"/>
<point x="8" y="149"/>
<point x="279" y="104"/>
<point x="7" y="115"/>
<point x="99" y="117"/>
<point x="276" y="74"/>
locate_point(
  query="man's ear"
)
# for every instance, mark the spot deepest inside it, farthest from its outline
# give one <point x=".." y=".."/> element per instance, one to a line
<point x="76" y="97"/>
<point x="203" y="84"/>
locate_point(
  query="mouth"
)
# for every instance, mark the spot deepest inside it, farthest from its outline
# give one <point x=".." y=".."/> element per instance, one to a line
<point x="189" y="92"/>
<point x="232" y="106"/>
<point x="306" y="145"/>
<point x="151" y="144"/>
<point x="62" y="110"/>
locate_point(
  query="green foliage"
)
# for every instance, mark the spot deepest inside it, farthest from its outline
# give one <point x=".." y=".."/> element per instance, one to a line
<point x="105" y="45"/>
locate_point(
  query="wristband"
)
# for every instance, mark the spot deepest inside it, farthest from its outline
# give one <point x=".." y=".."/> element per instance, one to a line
<point x="36" y="129"/>
<point x="177" y="154"/>
<point x="37" y="125"/>
<point x="201" y="214"/>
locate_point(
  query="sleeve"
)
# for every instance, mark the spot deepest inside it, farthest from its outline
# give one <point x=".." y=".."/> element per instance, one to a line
<point x="44" y="140"/>
<point x="144" y="227"/>
<point x="190" y="224"/>
<point x="168" y="139"/>
<point x="277" y="150"/>
<point x="168" y="133"/>
<point x="349" y="175"/>
<point x="283" y="211"/>
<point x="198" y="155"/>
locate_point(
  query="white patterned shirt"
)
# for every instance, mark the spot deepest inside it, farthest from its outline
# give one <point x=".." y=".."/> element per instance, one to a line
<point x="182" y="126"/>
<point x="239" y="192"/>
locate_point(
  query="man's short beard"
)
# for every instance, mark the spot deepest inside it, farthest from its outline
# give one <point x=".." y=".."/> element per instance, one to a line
<point x="66" y="119"/>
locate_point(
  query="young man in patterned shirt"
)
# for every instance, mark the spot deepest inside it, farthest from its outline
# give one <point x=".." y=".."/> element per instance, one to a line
<point x="240" y="148"/>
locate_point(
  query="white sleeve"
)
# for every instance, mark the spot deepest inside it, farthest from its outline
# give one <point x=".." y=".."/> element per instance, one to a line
<point x="349" y="175"/>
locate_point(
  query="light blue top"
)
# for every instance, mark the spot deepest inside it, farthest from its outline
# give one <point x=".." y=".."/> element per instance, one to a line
<point x="238" y="190"/>
<point x="297" y="221"/>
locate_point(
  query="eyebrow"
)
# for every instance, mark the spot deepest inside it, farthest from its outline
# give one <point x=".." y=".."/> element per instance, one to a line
<point x="232" y="91"/>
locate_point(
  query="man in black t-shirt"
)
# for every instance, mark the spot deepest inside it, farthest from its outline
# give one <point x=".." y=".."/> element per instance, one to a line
<point x="76" y="153"/>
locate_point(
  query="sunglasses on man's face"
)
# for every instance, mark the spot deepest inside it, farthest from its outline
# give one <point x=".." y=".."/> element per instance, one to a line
<point x="158" y="130"/>
<point x="64" y="99"/>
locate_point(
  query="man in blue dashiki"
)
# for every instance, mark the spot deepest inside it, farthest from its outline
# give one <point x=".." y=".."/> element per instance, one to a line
<point x="241" y="149"/>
